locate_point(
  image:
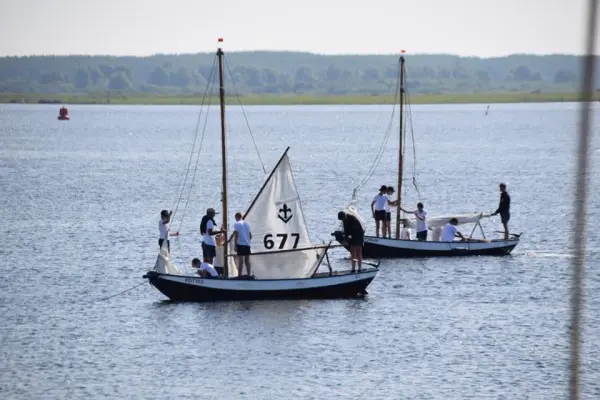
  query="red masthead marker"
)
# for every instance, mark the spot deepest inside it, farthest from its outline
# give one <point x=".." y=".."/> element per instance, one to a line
<point x="403" y="51"/>
<point x="220" y="40"/>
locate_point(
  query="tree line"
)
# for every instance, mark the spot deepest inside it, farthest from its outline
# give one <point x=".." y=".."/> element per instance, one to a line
<point x="290" y="73"/>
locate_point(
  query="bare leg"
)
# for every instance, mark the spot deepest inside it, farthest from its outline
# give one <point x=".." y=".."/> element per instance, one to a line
<point x="377" y="227"/>
<point x="359" y="257"/>
<point x="353" y="255"/>
<point x="240" y="265"/>
<point x="505" y="230"/>
<point x="247" y="261"/>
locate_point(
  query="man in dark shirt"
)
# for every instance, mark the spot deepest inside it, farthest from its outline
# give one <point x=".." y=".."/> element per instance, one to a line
<point x="354" y="234"/>
<point x="504" y="209"/>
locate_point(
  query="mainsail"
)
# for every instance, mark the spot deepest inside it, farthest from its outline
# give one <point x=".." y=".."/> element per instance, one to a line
<point x="280" y="243"/>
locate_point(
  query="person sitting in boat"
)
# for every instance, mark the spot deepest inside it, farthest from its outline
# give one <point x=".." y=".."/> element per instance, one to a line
<point x="436" y="233"/>
<point x="163" y="229"/>
<point x="205" y="269"/>
<point x="450" y="231"/>
<point x="405" y="231"/>
<point x="354" y="234"/>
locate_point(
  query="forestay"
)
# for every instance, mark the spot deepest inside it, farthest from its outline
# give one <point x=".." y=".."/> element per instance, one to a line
<point x="279" y="232"/>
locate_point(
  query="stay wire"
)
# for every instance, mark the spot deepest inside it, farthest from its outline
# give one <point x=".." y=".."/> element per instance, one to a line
<point x="187" y="170"/>
<point x="244" y="113"/>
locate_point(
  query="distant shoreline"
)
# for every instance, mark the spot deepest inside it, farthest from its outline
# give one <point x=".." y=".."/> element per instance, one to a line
<point x="358" y="99"/>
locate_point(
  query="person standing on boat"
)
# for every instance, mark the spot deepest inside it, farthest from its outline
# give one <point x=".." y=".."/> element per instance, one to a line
<point x="163" y="229"/>
<point x="378" y="205"/>
<point x="421" y="217"/>
<point x="387" y="228"/>
<point x="242" y="238"/>
<point x="207" y="226"/>
<point x="450" y="231"/>
<point x="504" y="209"/>
<point x="354" y="234"/>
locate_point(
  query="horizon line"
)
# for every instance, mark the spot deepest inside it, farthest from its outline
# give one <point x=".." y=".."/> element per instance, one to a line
<point x="321" y="54"/>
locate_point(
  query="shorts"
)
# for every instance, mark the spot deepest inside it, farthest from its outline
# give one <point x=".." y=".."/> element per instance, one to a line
<point x="160" y="242"/>
<point x="208" y="250"/>
<point x="357" y="240"/>
<point x="422" y="235"/>
<point x="243" y="250"/>
<point x="505" y="217"/>
<point x="379" y="215"/>
<point x="388" y="216"/>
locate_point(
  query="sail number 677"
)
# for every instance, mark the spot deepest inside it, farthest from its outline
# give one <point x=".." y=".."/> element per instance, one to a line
<point x="282" y="238"/>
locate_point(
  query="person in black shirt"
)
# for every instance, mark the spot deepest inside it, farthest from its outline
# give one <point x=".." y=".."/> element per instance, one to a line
<point x="504" y="209"/>
<point x="354" y="234"/>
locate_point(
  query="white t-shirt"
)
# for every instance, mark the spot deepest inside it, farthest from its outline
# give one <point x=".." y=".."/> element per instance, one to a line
<point x="243" y="230"/>
<point x="208" y="238"/>
<point x="448" y="233"/>
<point x="163" y="228"/>
<point x="204" y="266"/>
<point x="405" y="234"/>
<point x="381" y="201"/>
<point x="387" y="207"/>
<point x="421" y="224"/>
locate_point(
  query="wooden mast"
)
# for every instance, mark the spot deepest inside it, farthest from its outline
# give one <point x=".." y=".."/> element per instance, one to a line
<point x="223" y="157"/>
<point x="400" y="146"/>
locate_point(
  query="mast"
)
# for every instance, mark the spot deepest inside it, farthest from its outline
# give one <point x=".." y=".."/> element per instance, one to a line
<point x="400" y="146"/>
<point x="223" y="157"/>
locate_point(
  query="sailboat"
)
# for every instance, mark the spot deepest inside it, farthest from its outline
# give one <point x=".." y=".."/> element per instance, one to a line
<point x="379" y="247"/>
<point x="284" y="261"/>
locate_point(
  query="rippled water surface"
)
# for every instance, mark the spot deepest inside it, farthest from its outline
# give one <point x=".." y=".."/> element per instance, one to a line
<point x="80" y="202"/>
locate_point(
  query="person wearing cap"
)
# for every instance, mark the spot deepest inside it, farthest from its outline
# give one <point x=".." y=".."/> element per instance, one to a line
<point x="354" y="234"/>
<point x="163" y="229"/>
<point x="378" y="205"/>
<point x="207" y="226"/>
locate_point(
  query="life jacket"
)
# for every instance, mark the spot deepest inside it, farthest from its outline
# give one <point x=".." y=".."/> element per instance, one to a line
<point x="204" y="222"/>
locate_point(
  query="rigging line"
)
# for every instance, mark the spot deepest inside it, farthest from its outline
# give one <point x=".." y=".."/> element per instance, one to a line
<point x="198" y="156"/>
<point x="414" y="150"/>
<point x="195" y="137"/>
<point x="580" y="201"/>
<point x="244" y="113"/>
<point x="126" y="290"/>
<point x="379" y="155"/>
<point x="368" y="150"/>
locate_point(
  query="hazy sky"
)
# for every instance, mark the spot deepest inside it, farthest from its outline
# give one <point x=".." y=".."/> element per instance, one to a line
<point x="143" y="27"/>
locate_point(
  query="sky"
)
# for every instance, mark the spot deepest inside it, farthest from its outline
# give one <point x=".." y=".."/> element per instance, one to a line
<point x="481" y="28"/>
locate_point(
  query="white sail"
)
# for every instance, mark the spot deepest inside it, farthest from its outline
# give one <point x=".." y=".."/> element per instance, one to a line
<point x="163" y="262"/>
<point x="280" y="243"/>
<point x="435" y="222"/>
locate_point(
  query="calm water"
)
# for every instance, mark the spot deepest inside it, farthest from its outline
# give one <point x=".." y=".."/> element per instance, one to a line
<point x="81" y="200"/>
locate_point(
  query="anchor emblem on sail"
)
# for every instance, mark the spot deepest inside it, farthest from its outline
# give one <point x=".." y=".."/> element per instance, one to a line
<point x="285" y="213"/>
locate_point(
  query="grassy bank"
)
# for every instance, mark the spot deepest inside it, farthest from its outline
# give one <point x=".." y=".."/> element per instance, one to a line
<point x="157" y="99"/>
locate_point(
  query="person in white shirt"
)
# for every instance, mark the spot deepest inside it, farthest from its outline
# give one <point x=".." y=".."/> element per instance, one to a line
<point x="242" y="238"/>
<point x="163" y="229"/>
<point x="205" y="269"/>
<point x="207" y="226"/>
<point x="421" y="216"/>
<point x="378" y="209"/>
<point x="437" y="233"/>
<point x="450" y="231"/>
<point x="387" y="228"/>
<point x="405" y="231"/>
